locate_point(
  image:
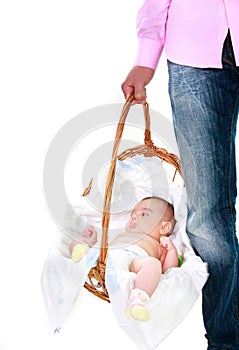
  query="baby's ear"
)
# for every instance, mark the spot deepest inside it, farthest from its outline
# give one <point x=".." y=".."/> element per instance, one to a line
<point x="165" y="228"/>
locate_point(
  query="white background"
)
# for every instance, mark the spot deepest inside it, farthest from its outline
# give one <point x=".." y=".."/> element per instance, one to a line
<point x="59" y="58"/>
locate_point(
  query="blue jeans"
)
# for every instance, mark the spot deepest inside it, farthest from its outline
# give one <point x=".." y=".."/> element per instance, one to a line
<point x="205" y="109"/>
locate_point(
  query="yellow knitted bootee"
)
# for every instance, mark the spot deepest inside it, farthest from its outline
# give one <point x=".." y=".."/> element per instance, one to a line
<point x="137" y="305"/>
<point x="79" y="251"/>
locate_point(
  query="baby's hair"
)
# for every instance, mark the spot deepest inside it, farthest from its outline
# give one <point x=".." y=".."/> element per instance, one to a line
<point x="168" y="213"/>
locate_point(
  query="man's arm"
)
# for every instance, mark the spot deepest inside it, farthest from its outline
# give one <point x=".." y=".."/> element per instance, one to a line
<point x="151" y="24"/>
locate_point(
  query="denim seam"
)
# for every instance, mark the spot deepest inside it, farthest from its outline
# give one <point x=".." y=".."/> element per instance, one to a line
<point x="231" y="210"/>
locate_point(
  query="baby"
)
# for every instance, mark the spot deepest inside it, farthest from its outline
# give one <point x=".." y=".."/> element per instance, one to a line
<point x="150" y="252"/>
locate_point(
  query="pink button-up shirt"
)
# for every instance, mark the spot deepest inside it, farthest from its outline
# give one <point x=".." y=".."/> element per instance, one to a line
<point x="192" y="31"/>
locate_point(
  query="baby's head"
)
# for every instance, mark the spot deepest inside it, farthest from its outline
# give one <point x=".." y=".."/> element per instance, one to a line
<point x="152" y="215"/>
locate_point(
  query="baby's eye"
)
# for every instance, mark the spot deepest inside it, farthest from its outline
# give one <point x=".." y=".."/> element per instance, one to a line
<point x="144" y="213"/>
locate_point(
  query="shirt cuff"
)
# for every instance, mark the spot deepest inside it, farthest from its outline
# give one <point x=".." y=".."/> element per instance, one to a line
<point x="149" y="52"/>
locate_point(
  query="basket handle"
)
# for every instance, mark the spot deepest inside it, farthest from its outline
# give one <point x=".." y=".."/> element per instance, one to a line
<point x="111" y="173"/>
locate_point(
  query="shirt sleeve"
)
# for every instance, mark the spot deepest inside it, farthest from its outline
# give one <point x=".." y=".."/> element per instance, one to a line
<point x="151" y="25"/>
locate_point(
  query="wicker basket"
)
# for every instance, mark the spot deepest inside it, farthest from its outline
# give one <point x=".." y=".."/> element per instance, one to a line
<point x="148" y="149"/>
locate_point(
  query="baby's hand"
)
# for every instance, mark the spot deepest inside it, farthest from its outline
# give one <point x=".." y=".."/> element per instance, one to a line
<point x="166" y="243"/>
<point x="89" y="235"/>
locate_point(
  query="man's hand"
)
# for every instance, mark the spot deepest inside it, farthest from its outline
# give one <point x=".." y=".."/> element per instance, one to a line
<point x="135" y="83"/>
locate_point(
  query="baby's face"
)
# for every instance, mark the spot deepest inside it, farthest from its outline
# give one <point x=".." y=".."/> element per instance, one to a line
<point x="146" y="216"/>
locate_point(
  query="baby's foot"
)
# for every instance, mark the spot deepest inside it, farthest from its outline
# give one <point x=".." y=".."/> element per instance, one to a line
<point x="138" y="311"/>
<point x="78" y="252"/>
<point x="136" y="307"/>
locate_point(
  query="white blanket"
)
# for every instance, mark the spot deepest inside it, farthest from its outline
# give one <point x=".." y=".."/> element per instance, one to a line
<point x="63" y="279"/>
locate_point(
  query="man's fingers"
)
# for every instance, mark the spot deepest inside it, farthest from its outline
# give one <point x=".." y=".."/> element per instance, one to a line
<point x="140" y="95"/>
<point x="139" y="92"/>
<point x="127" y="89"/>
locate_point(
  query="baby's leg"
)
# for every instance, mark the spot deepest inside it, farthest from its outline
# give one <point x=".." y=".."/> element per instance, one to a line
<point x="148" y="271"/>
<point x="77" y="250"/>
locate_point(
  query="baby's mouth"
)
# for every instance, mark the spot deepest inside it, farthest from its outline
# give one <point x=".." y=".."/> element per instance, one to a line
<point x="132" y="224"/>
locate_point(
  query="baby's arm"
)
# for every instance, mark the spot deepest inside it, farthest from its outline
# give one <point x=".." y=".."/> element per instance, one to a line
<point x="171" y="258"/>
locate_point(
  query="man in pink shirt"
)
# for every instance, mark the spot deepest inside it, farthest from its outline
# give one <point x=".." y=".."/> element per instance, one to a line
<point x="201" y="41"/>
